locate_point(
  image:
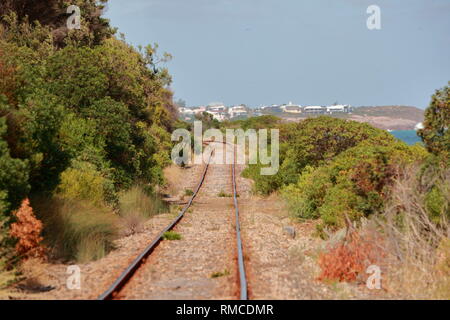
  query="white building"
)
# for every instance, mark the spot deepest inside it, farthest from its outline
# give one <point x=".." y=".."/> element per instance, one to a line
<point x="199" y="109"/>
<point x="186" y="111"/>
<point x="291" y="108"/>
<point x="237" y="111"/>
<point x="315" y="109"/>
<point x="217" y="107"/>
<point x="338" y="108"/>
<point x="218" y="115"/>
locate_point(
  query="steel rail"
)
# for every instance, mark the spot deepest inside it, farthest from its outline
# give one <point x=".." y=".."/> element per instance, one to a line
<point x="131" y="269"/>
<point x="241" y="265"/>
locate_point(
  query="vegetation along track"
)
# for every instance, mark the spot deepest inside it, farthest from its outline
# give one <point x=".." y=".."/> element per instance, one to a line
<point x="122" y="287"/>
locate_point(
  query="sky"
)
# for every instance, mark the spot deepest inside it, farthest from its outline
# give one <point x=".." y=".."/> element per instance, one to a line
<point x="315" y="52"/>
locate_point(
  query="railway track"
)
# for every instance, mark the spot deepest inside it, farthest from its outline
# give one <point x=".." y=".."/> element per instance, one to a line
<point x="113" y="291"/>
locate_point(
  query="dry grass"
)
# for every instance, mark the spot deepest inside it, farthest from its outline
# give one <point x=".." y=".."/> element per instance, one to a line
<point x="419" y="249"/>
<point x="34" y="276"/>
<point x="6" y="277"/>
<point x="76" y="230"/>
<point x="349" y="259"/>
<point x="136" y="206"/>
<point x="406" y="242"/>
<point x="173" y="175"/>
<point x="6" y="274"/>
<point x="30" y="275"/>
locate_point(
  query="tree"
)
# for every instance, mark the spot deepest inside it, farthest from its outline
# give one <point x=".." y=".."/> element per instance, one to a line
<point x="435" y="133"/>
<point x="207" y="120"/>
<point x="53" y="14"/>
<point x="7" y="78"/>
<point x="317" y="140"/>
<point x="13" y="176"/>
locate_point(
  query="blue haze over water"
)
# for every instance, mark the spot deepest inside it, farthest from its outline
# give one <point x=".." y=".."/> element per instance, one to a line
<point x="408" y="136"/>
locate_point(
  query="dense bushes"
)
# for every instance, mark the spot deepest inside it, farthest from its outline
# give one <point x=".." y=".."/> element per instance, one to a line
<point x="13" y="176"/>
<point x="405" y="190"/>
<point x="51" y="14"/>
<point x="83" y="117"/>
<point x="312" y="142"/>
<point x="435" y="133"/>
<point x="415" y="224"/>
<point x="354" y="183"/>
<point x="332" y="168"/>
<point x="433" y="183"/>
<point x="318" y="140"/>
<point x="83" y="182"/>
<point x="263" y="184"/>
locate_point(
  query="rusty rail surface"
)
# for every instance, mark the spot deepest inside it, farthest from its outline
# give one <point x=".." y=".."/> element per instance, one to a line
<point x="131" y="269"/>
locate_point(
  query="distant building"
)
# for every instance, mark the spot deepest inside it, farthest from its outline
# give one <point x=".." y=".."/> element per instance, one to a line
<point x="338" y="108"/>
<point x="291" y="108"/>
<point x="315" y="109"/>
<point x="186" y="111"/>
<point x="217" y="108"/>
<point x="237" y="111"/>
<point x="218" y="115"/>
<point x="199" y="109"/>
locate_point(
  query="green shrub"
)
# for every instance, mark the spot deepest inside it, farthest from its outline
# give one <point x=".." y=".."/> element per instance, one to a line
<point x="171" y="235"/>
<point x="355" y="183"/>
<point x="434" y="183"/>
<point x="436" y="134"/>
<point x="264" y="184"/>
<point x="339" y="201"/>
<point x="188" y="192"/>
<point x="13" y="188"/>
<point x="317" y="140"/>
<point x="262" y="122"/>
<point x="435" y="204"/>
<point x="84" y="182"/>
<point x="43" y="117"/>
<point x="76" y="230"/>
<point x="223" y="194"/>
<point x="220" y="274"/>
<point x="305" y="197"/>
<point x="13" y="176"/>
<point x="313" y="142"/>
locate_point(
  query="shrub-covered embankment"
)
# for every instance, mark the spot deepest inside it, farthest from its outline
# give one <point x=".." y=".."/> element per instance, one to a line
<point x="84" y="119"/>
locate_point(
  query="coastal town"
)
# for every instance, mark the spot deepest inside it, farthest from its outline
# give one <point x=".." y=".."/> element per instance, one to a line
<point x="383" y="117"/>
<point x="220" y="112"/>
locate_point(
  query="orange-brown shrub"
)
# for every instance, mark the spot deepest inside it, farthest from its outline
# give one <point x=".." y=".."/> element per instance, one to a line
<point x="27" y="230"/>
<point x="349" y="259"/>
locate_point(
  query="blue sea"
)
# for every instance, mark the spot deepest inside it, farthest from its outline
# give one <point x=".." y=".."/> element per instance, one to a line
<point x="408" y="136"/>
